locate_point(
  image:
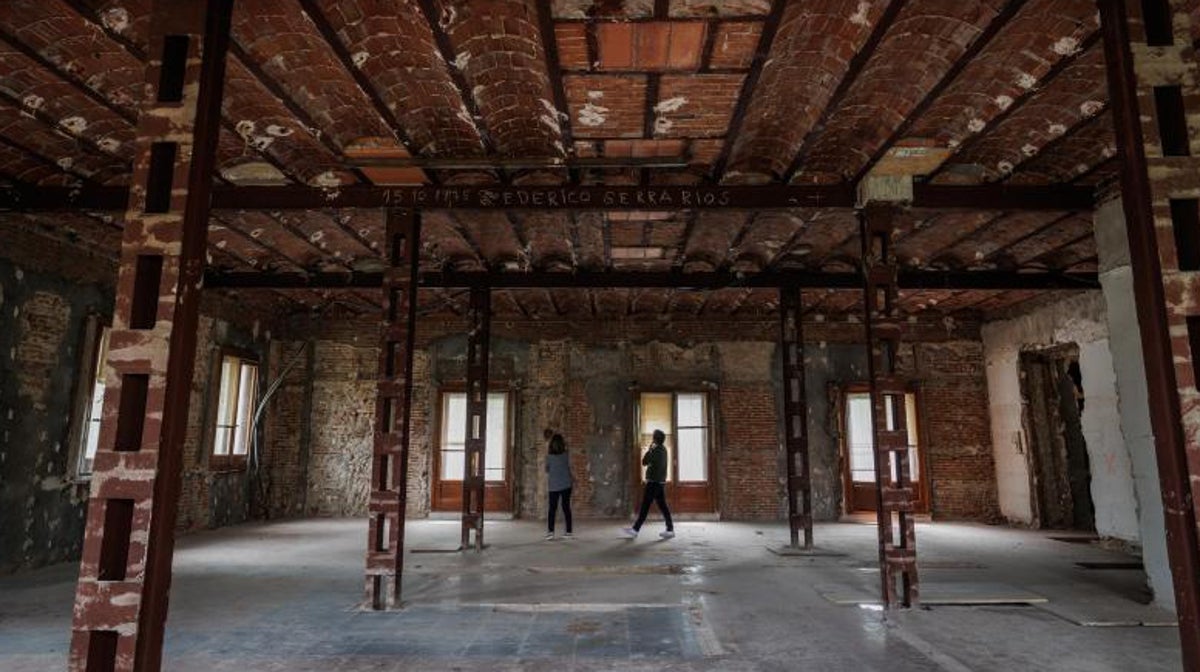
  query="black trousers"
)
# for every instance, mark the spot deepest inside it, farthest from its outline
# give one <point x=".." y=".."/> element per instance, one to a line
<point x="563" y="496"/>
<point x="657" y="493"/>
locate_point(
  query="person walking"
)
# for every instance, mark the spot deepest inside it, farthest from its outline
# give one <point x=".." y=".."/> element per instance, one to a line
<point x="655" y="461"/>
<point x="559" y="482"/>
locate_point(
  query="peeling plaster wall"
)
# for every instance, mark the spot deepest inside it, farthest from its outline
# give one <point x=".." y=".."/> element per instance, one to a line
<point x="42" y="321"/>
<point x="584" y="385"/>
<point x="1081" y="320"/>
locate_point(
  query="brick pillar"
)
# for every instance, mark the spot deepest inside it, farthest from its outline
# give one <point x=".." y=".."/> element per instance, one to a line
<point x="795" y="418"/>
<point x="1154" y="93"/>
<point x="393" y="412"/>
<point x="893" y="484"/>
<point x="474" y="474"/>
<point x="125" y="573"/>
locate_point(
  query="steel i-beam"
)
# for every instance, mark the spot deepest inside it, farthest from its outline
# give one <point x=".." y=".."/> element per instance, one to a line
<point x="893" y="482"/>
<point x="125" y="572"/>
<point x="393" y="412"/>
<point x="473" y="483"/>
<point x="795" y="414"/>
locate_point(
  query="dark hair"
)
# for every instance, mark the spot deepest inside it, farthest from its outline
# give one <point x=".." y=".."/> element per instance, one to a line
<point x="659" y="437"/>
<point x="558" y="445"/>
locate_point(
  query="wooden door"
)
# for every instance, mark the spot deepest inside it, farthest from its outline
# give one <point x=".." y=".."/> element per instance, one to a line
<point x="449" y="461"/>
<point x="685" y="417"/>
<point x="858" y="450"/>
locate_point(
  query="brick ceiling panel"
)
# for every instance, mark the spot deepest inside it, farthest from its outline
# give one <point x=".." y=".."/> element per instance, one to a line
<point x="811" y="51"/>
<point x="765" y="239"/>
<point x="1080" y="256"/>
<point x="1061" y="235"/>
<point x="587" y="236"/>
<point x="571" y="303"/>
<point x="323" y="231"/>
<point x="68" y="153"/>
<point x="538" y="304"/>
<point x="695" y="106"/>
<point x="721" y="8"/>
<point x="710" y="240"/>
<point x="824" y="231"/>
<point x="625" y="233"/>
<point x="290" y="50"/>
<point x="665" y="233"/>
<point x="1075" y="95"/>
<point x="444" y="247"/>
<point x="925" y="244"/>
<point x="495" y="237"/>
<point x="92" y="233"/>
<point x="582" y="9"/>
<point x="230" y="239"/>
<point x="394" y="46"/>
<point x="991" y="241"/>
<point x="606" y="106"/>
<point x="265" y="125"/>
<point x="571" y="39"/>
<point x="1040" y="35"/>
<point x="1093" y="144"/>
<point x="273" y="234"/>
<point x="926" y="40"/>
<point x="734" y="44"/>
<point x="63" y="37"/>
<point x="548" y="235"/>
<point x="612" y="303"/>
<point x="41" y="93"/>
<point x="506" y="69"/>
<point x="20" y="166"/>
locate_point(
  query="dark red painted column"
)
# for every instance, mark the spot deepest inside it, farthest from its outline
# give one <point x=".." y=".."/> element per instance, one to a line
<point x="125" y="574"/>
<point x="393" y="411"/>
<point x="474" y="472"/>
<point x="795" y="418"/>
<point x="893" y="482"/>
<point x="1152" y="79"/>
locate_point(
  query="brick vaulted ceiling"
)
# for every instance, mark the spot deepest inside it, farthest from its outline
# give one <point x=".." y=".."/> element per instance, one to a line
<point x="741" y="92"/>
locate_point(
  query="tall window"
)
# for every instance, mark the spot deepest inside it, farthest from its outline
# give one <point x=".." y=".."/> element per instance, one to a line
<point x="454" y="436"/>
<point x="91" y="398"/>
<point x="683" y="417"/>
<point x="235" y="410"/>
<point x="861" y="442"/>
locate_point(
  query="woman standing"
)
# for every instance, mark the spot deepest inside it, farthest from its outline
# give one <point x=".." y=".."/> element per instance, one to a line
<point x="559" y="482"/>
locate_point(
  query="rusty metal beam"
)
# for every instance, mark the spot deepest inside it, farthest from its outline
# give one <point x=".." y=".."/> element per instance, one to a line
<point x="1141" y="198"/>
<point x="795" y="417"/>
<point x="673" y="279"/>
<point x="393" y="412"/>
<point x="474" y="473"/>
<point x="125" y="573"/>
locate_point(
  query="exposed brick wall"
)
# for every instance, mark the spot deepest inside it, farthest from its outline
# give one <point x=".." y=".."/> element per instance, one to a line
<point x="751" y="485"/>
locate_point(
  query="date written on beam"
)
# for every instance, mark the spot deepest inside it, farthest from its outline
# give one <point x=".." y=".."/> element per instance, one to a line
<point x="613" y="197"/>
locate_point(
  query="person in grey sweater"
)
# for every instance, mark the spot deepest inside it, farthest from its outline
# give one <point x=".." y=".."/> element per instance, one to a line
<point x="559" y="482"/>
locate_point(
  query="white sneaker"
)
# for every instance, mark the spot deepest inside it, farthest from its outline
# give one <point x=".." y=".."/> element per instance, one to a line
<point x="667" y="535"/>
<point x="568" y="535"/>
<point x="629" y="532"/>
<point x="549" y="536"/>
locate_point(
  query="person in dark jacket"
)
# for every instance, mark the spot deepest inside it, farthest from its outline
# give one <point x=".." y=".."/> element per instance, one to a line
<point x="559" y="482"/>
<point x="655" y="461"/>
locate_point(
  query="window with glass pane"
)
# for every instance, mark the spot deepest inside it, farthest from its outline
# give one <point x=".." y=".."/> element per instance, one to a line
<point x="655" y="413"/>
<point x="90" y="435"/>
<point x="691" y="421"/>
<point x="235" y="407"/>
<point x="454" y="435"/>
<point x="861" y="442"/>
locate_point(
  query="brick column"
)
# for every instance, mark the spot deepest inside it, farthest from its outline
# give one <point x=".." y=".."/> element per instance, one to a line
<point x="1154" y="93"/>
<point x="795" y="418"/>
<point x="125" y="573"/>
<point x="894" y="504"/>
<point x="474" y="473"/>
<point x="393" y="412"/>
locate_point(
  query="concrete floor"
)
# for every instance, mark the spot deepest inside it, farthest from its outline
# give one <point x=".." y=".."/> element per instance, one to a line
<point x="284" y="596"/>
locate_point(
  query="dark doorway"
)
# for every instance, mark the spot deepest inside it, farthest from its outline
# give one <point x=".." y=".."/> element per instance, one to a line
<point x="1059" y="469"/>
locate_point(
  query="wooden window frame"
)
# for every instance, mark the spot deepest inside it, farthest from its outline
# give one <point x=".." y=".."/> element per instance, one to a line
<point x="922" y="486"/>
<point x="711" y="395"/>
<point x="439" y="426"/>
<point x="89" y="366"/>
<point x="228" y="462"/>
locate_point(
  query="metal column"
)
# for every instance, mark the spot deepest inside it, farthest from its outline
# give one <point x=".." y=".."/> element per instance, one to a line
<point x="393" y="411"/>
<point x="473" y="495"/>
<point x="125" y="573"/>
<point x="795" y="417"/>
<point x="893" y="482"/>
<point x="1138" y="77"/>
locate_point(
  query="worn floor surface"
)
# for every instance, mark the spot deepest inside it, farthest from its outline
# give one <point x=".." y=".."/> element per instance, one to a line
<point x="285" y="596"/>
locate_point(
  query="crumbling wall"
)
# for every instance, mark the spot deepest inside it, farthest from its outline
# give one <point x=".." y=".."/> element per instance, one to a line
<point x="1080" y="320"/>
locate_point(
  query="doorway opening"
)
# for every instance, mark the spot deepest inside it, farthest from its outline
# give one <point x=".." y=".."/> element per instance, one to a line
<point x="446" y="493"/>
<point x="686" y="419"/>
<point x="858" y="450"/>
<point x="1059" y="469"/>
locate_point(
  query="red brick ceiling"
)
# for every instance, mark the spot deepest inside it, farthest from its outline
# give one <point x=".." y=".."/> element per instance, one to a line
<point x="750" y="91"/>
